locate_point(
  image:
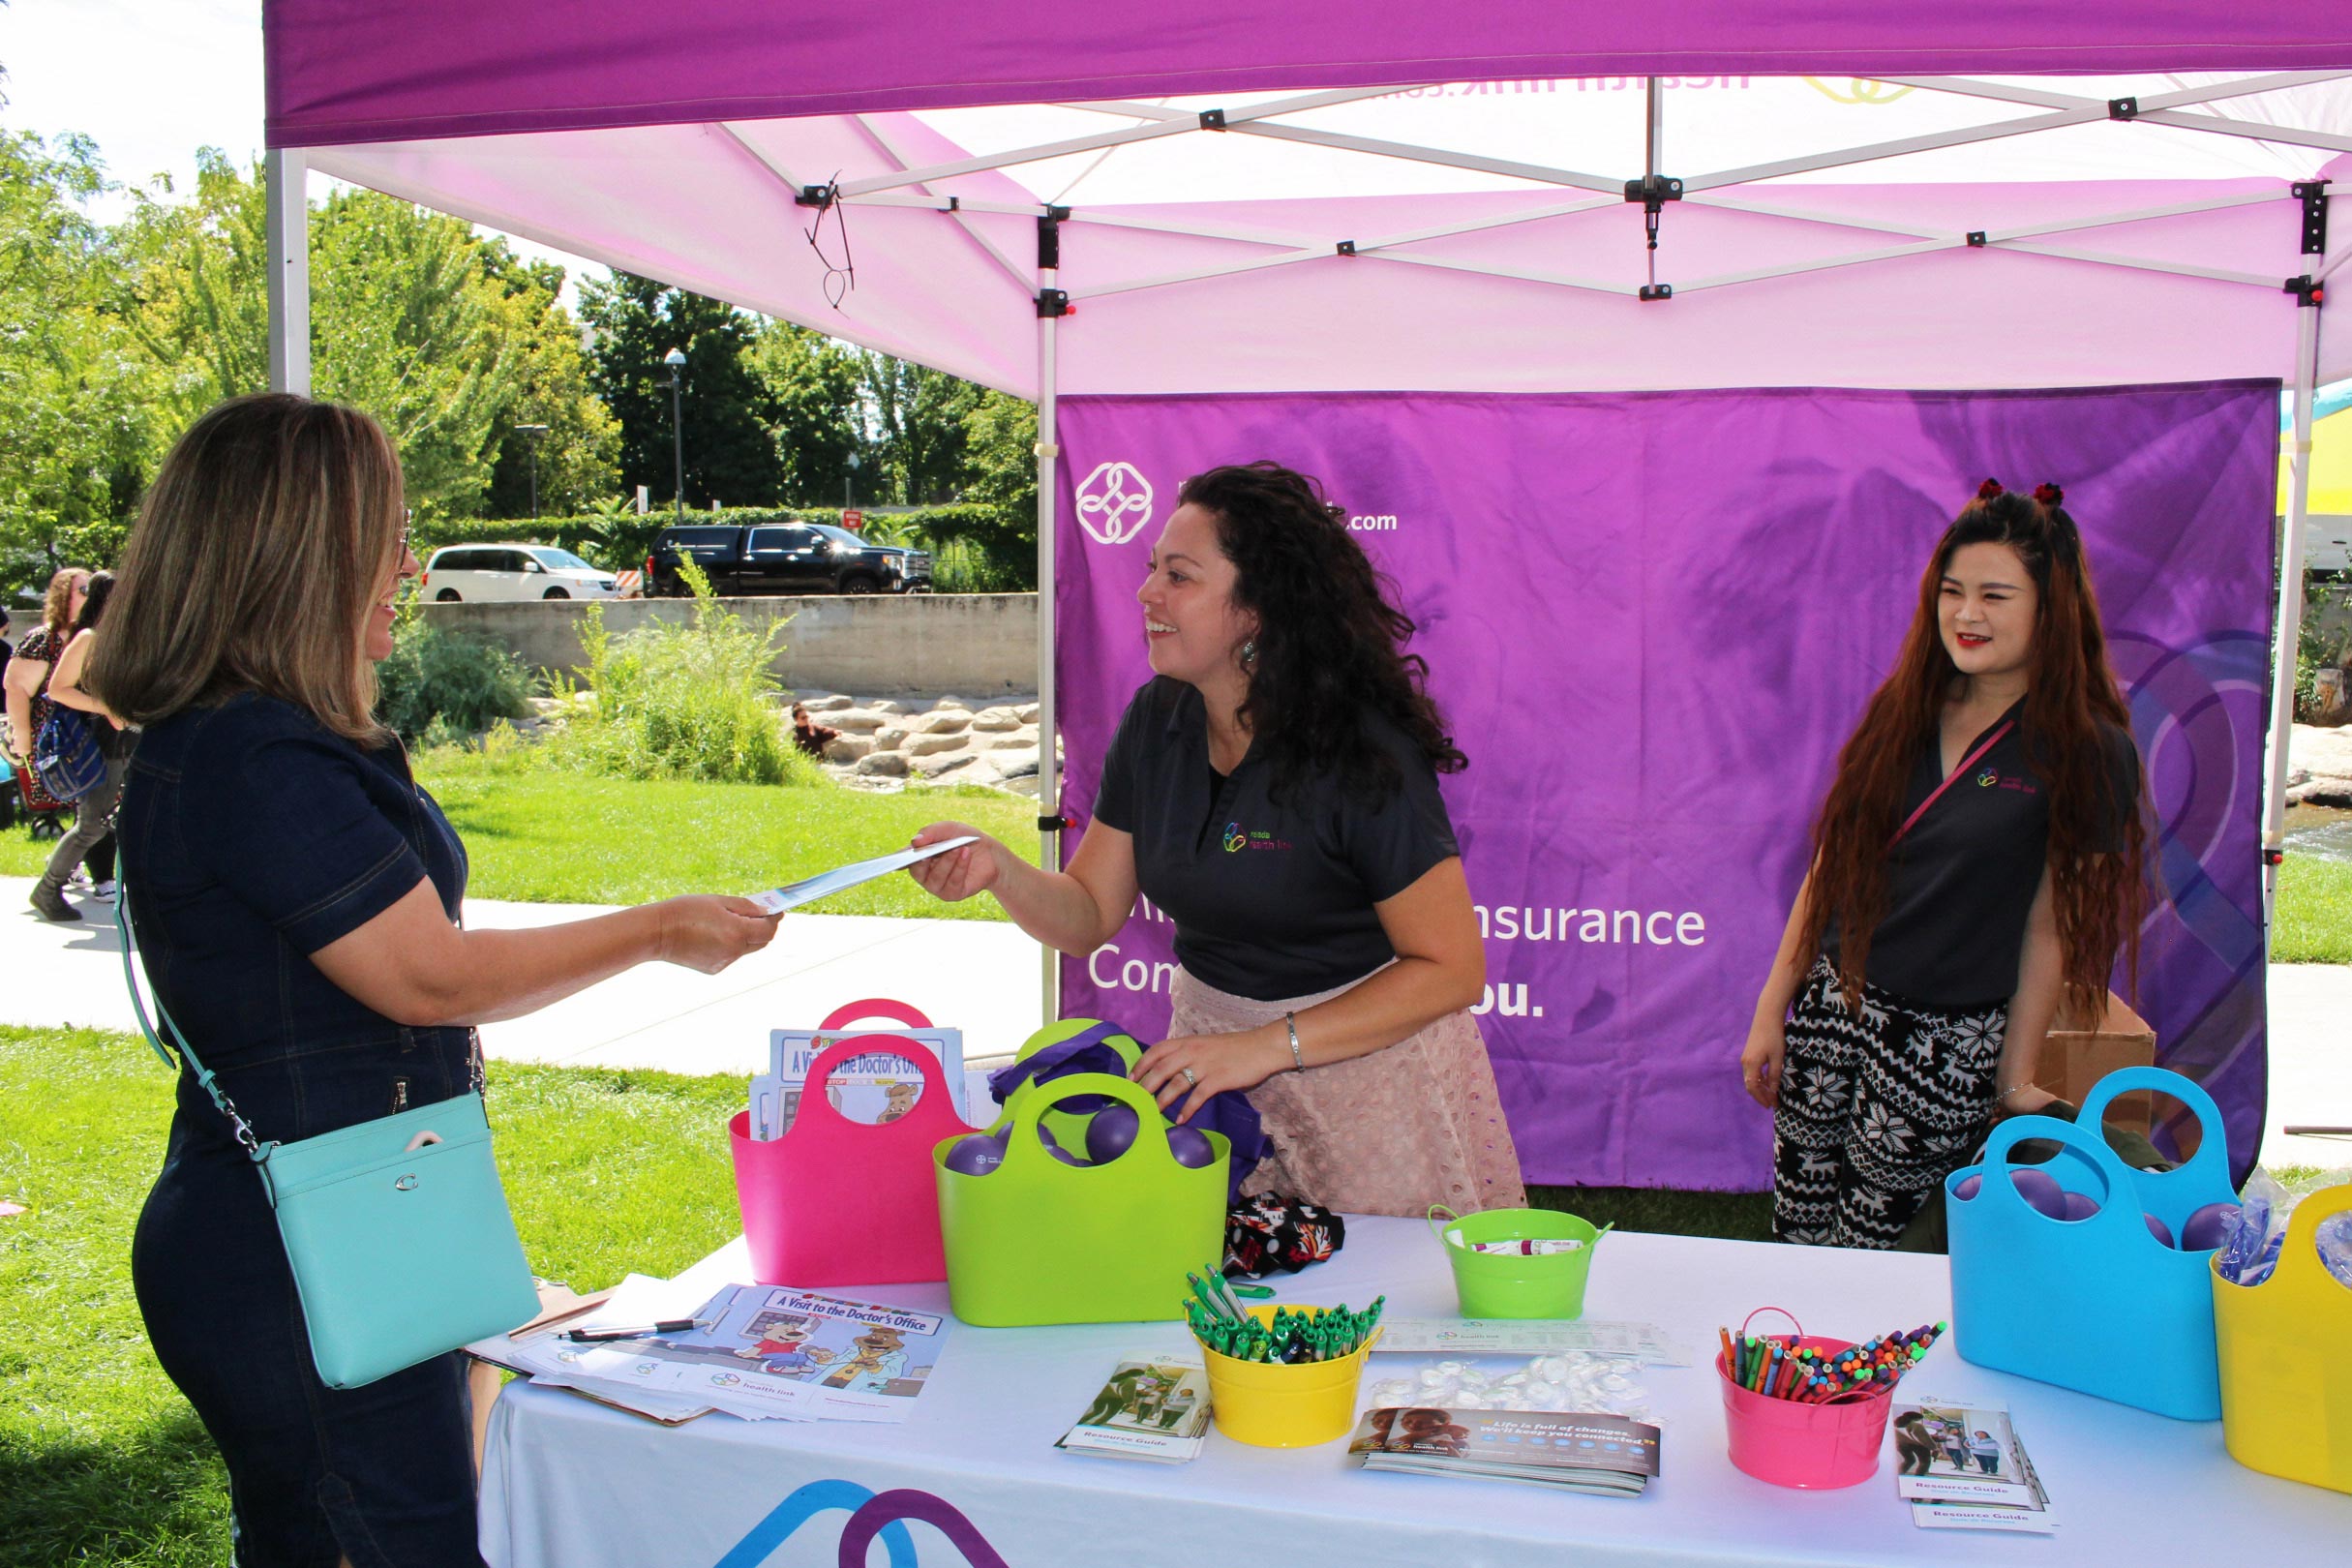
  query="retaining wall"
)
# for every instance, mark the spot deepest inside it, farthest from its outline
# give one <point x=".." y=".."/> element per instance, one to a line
<point x="972" y="645"/>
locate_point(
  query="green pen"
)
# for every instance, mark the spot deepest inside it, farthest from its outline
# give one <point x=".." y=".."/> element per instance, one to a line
<point x="1255" y="1292"/>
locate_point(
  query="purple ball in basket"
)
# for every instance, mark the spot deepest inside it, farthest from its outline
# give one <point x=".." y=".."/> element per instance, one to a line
<point x="1110" y="1131"/>
<point x="2079" y="1206"/>
<point x="976" y="1155"/>
<point x="2157" y="1229"/>
<point x="2041" y="1190"/>
<point x="1192" y="1147"/>
<point x="2208" y="1227"/>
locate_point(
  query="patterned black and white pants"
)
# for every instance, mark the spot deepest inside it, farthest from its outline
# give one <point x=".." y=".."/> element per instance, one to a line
<point x="1875" y="1109"/>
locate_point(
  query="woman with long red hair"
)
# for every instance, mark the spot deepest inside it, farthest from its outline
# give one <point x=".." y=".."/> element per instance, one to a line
<point x="1979" y="857"/>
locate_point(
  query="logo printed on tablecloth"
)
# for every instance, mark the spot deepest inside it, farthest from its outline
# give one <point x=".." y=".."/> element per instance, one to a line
<point x="1114" y="502"/>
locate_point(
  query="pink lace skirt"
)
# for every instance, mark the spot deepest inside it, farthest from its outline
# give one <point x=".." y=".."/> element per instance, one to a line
<point x="1389" y="1132"/>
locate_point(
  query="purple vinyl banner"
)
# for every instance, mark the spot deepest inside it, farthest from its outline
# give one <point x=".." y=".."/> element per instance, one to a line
<point x="1653" y="619"/>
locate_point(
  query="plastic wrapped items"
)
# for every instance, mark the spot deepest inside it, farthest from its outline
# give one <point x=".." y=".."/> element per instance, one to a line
<point x="1569" y="1381"/>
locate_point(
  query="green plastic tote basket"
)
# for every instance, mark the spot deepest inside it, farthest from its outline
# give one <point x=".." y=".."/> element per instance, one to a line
<point x="1501" y="1284"/>
<point x="1035" y="1241"/>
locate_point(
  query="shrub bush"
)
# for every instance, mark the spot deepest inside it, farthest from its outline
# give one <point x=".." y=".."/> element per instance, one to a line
<point x="443" y="685"/>
<point x="693" y="699"/>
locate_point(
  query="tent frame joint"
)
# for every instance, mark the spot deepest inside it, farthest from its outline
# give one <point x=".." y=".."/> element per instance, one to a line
<point x="1345" y="247"/>
<point x="1212" y="119"/>
<point x="2314" y="194"/>
<point x="2123" y="109"/>
<point x="2310" y="292"/>
<point x="1654" y="192"/>
<point x="1650" y="292"/>
<point x="1052" y="303"/>
<point x="819" y="196"/>
<point x="1977" y="239"/>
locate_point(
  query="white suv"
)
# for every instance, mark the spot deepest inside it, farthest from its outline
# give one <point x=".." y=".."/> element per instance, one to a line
<point x="512" y="571"/>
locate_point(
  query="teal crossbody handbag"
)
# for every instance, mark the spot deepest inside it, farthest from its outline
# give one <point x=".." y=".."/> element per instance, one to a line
<point x="397" y="1230"/>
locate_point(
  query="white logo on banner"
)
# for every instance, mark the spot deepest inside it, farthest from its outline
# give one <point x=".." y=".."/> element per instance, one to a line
<point x="1114" y="502"/>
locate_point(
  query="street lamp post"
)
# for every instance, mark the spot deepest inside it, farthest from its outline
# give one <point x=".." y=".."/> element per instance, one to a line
<point x="533" y="435"/>
<point x="849" y="474"/>
<point x="675" y="359"/>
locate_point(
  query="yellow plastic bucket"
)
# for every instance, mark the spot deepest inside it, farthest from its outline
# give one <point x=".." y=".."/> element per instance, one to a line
<point x="1276" y="1405"/>
<point x="1507" y="1285"/>
<point x="2286" y="1381"/>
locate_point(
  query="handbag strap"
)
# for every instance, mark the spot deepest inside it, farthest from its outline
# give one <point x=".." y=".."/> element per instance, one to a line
<point x="244" y="1131"/>
<point x="1966" y="763"/>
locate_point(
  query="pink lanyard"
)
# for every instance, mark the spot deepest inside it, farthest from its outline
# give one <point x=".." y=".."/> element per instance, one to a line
<point x="1966" y="763"/>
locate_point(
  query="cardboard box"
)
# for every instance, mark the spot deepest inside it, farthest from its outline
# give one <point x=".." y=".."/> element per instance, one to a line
<point x="2077" y="1054"/>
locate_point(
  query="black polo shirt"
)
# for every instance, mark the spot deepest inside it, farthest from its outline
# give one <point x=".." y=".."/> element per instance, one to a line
<point x="1268" y="903"/>
<point x="1960" y="885"/>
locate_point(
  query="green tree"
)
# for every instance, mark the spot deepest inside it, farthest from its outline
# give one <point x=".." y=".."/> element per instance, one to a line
<point x="1000" y="457"/>
<point x="76" y="397"/>
<point x="578" y="458"/>
<point x="917" y="427"/>
<point x="813" y="384"/>
<point x="728" y="413"/>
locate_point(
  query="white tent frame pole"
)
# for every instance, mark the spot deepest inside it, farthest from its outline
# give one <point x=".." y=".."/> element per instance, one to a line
<point x="288" y="218"/>
<point x="1407" y="152"/>
<point x="2043" y="97"/>
<point x="1050" y="751"/>
<point x="1235" y="119"/>
<point x="2285" y="646"/>
<point x="2252" y="130"/>
<point x="1022" y="280"/>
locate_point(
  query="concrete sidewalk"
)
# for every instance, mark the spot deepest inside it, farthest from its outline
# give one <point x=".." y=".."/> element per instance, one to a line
<point x="983" y="976"/>
<point x="980" y="976"/>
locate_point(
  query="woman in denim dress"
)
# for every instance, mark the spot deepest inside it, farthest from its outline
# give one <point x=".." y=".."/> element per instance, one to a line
<point x="296" y="897"/>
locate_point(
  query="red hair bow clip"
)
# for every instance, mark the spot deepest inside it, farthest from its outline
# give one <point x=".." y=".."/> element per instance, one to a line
<point x="1989" y="489"/>
<point x="2049" y="494"/>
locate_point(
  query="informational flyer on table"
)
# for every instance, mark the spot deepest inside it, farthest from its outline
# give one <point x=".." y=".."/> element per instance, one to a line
<point x="777" y="1351"/>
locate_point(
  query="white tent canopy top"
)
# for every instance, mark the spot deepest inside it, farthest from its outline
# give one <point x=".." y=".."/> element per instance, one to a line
<point x="1488" y="236"/>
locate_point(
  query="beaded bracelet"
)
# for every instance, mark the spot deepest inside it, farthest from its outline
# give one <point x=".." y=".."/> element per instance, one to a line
<point x="1298" y="1062"/>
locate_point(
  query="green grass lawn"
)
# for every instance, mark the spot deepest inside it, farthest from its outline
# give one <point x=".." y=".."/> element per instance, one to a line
<point x="101" y="1460"/>
<point x="539" y="836"/>
<point x="2314" y="912"/>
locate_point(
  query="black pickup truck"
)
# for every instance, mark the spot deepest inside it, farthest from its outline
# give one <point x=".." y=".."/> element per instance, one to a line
<point x="784" y="558"/>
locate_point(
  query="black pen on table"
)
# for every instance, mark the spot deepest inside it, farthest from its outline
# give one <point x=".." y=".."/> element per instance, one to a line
<point x="668" y="1325"/>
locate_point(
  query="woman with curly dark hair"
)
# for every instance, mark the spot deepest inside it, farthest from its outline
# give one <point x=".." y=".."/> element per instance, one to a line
<point x="1274" y="790"/>
<point x="1979" y="855"/>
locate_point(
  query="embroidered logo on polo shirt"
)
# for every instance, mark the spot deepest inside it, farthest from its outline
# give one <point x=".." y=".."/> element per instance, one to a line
<point x="1987" y="779"/>
<point x="1235" y="838"/>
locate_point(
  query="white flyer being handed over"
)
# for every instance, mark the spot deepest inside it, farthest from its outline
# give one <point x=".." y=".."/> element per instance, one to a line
<point x="792" y="894"/>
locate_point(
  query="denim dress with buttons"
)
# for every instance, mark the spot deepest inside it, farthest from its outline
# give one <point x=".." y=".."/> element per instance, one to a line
<point x="251" y="837"/>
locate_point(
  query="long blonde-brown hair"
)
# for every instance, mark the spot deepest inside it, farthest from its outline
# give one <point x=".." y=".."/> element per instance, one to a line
<point x="57" y="604"/>
<point x="256" y="561"/>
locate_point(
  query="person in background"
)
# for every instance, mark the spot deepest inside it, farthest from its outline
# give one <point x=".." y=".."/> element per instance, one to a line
<point x="94" y="813"/>
<point x="1274" y="789"/>
<point x="296" y="897"/>
<point x="27" y="689"/>
<point x="8" y="648"/>
<point x="1979" y="855"/>
<point x="810" y="736"/>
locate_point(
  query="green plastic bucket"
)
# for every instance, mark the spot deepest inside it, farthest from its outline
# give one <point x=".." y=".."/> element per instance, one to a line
<point x="1035" y="1241"/>
<point x="1505" y="1284"/>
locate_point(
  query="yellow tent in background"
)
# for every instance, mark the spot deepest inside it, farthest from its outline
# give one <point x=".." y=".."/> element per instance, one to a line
<point x="2331" y="466"/>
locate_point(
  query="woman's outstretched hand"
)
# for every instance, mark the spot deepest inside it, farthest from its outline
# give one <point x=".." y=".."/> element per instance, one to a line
<point x="709" y="931"/>
<point x="958" y="874"/>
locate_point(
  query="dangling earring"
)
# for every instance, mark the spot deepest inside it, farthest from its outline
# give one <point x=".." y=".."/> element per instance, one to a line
<point x="1248" y="652"/>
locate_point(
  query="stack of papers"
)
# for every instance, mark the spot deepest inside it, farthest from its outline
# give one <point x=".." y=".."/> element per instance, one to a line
<point x="1156" y="1410"/>
<point x="1962" y="1467"/>
<point x="1563" y="1449"/>
<point x="761" y="1352"/>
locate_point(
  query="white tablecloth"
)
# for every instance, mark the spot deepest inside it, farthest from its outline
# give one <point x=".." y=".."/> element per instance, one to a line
<point x="568" y="1484"/>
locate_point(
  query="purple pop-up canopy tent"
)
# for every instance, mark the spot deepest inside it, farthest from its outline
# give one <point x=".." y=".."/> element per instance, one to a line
<point x="1406" y="213"/>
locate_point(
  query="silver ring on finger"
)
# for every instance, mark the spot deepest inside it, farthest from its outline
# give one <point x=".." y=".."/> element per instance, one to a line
<point x="1189" y="1076"/>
